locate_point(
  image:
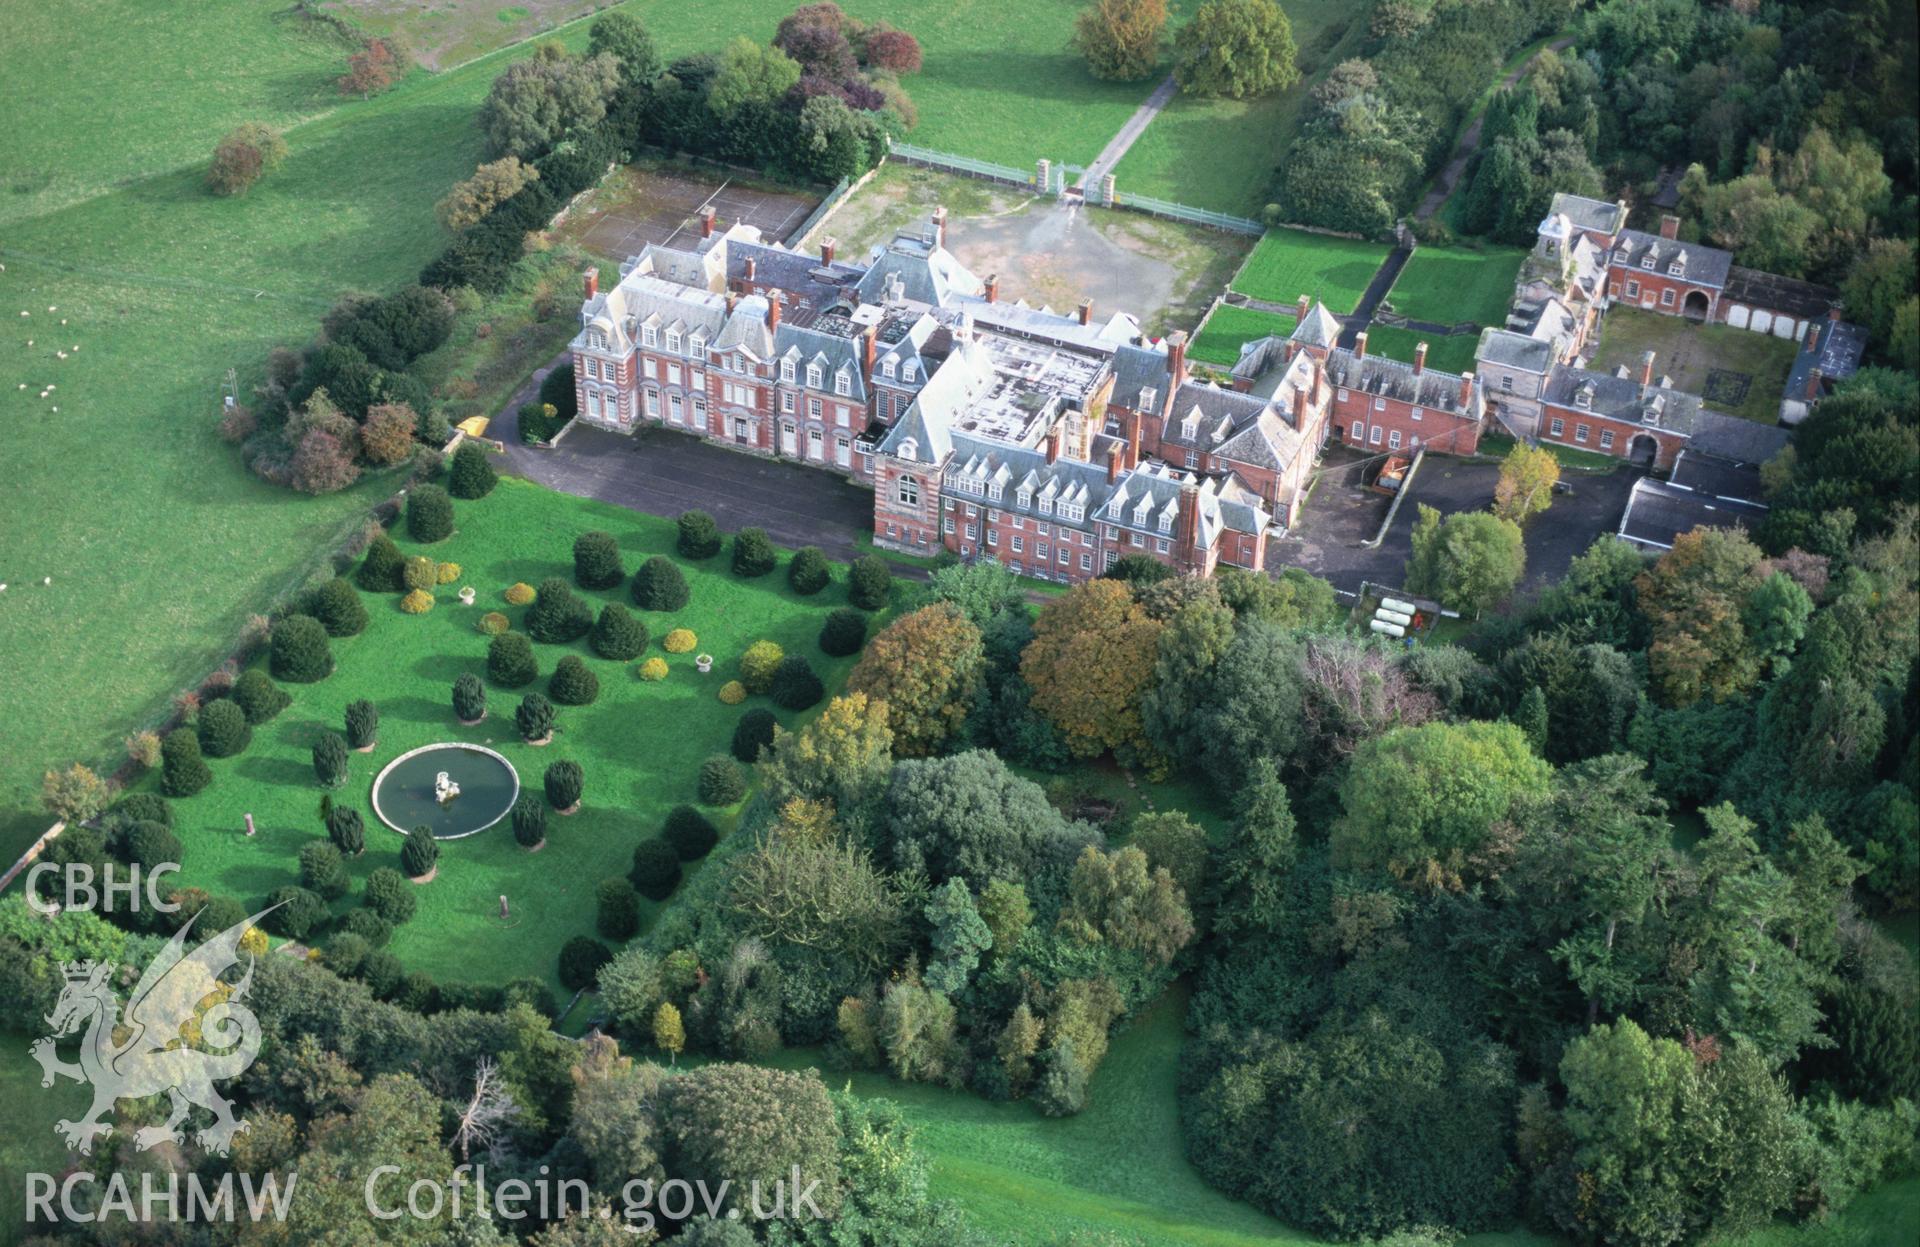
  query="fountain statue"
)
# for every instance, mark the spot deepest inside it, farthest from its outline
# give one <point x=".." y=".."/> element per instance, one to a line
<point x="444" y="789"/>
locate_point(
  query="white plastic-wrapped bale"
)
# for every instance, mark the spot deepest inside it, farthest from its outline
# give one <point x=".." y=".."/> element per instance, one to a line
<point x="1395" y="604"/>
<point x="1384" y="615"/>
<point x="1387" y="629"/>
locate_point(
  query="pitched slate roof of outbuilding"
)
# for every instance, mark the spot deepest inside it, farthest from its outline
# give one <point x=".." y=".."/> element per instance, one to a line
<point x="1730" y="437"/>
<point x="1507" y="349"/>
<point x="1391" y="378"/>
<point x="1701" y="265"/>
<point x="1614" y="397"/>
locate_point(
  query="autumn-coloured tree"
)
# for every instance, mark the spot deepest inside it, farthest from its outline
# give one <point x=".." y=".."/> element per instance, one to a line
<point x="894" y="51"/>
<point x="842" y="756"/>
<point x="387" y="435"/>
<point x="1089" y="663"/>
<point x="1694" y="599"/>
<point x="244" y="156"/>
<point x="322" y="464"/>
<point x="1527" y="477"/>
<point x="669" y="1033"/>
<point x="925" y="666"/>
<point x="491" y="185"/>
<point x="75" y="794"/>
<point x="375" y="67"/>
<point x="1119" y="900"/>
<point x="1121" y="38"/>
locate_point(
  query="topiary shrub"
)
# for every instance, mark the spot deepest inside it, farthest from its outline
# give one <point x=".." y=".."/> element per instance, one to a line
<point x="680" y="641"/>
<point x="810" y="571"/>
<point x="362" y="724"/>
<point x="369" y="926"/>
<point x="446" y="573"/>
<point x="732" y="693"/>
<point x="223" y="729"/>
<point x="183" y="771"/>
<point x="146" y="807"/>
<point x="469" y="699"/>
<point x="698" y="537"/>
<point x="493" y="623"/>
<point x="758" y="664"/>
<point x="596" y="561"/>
<point x="654" y="669"/>
<point x="345" y="953"/>
<point x="529" y="822"/>
<point x="296" y="913"/>
<point x="519" y="593"/>
<point x="564" y="782"/>
<point x="337" y="605"/>
<point x="420" y="855"/>
<point x="580" y="961"/>
<point x="617" y="634"/>
<point x="722" y="781"/>
<point x="690" y="833"/>
<point x="330" y="760"/>
<point x="656" y="869"/>
<point x="573" y="683"/>
<point x="347" y="831"/>
<point x="558" y="615"/>
<point x="510" y="661"/>
<point x="147" y="845"/>
<point x="321" y="870"/>
<point x="869" y="582"/>
<point x="844" y="633"/>
<point x="258" y="696"/>
<point x="472" y="474"/>
<point x="387" y="893"/>
<point x="429" y="514"/>
<point x="380" y="570"/>
<point x="659" y="585"/>
<point x="753" y="553"/>
<point x="795" y="686"/>
<point x="618" y="914"/>
<point x="534" y="718"/>
<point x="417" y="602"/>
<point x="298" y="652"/>
<point x="420" y="572"/>
<point x="753" y="733"/>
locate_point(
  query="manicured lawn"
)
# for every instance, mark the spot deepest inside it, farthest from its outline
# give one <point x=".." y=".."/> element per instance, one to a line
<point x="1496" y="445"/>
<point x="1289" y="263"/>
<point x="1692" y="354"/>
<point x="1230" y="328"/>
<point x="1453" y="353"/>
<point x="640" y="744"/>
<point x="1451" y="285"/>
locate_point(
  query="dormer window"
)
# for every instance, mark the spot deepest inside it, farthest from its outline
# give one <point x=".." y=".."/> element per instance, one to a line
<point x="888" y="366"/>
<point x="909" y="449"/>
<point x="909" y="371"/>
<point x="697" y="343"/>
<point x="649" y="336"/>
<point x="1679" y="265"/>
<point x="1621" y="256"/>
<point x="673" y="340"/>
<point x="1647" y="262"/>
<point x="813" y="376"/>
<point x="993" y="492"/>
<point x="1190" y="426"/>
<point x="1166" y="521"/>
<point x="1140" y="512"/>
<point x="1147" y="395"/>
<point x="1583" y="397"/>
<point x="1046" y="506"/>
<point x="1024" y="497"/>
<point x="842" y="382"/>
<point x="786" y="370"/>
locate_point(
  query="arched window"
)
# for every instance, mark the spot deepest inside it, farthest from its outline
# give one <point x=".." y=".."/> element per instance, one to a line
<point x="908" y="491"/>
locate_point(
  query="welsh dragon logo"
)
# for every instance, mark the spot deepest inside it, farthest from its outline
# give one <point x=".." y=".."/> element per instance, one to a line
<point x="179" y="1000"/>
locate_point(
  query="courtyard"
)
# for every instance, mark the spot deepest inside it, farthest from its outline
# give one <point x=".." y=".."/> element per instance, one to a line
<point x="1734" y="370"/>
<point x="656" y="202"/>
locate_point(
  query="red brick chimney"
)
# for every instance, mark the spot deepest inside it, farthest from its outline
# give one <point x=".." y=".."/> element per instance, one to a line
<point x="1113" y="464"/>
<point x="1302" y="308"/>
<point x="733" y="300"/>
<point x="751" y="266"/>
<point x="1466" y="389"/>
<point x="1134" y="421"/>
<point x="870" y="348"/>
<point x="1646" y="370"/>
<point x="774" y="301"/>
<point x="592" y="279"/>
<point x="1813" y="385"/>
<point x="1813" y="336"/>
<point x="1360" y="345"/>
<point x="827" y="246"/>
<point x="1086" y="311"/>
<point x="706" y="222"/>
<point x="1669" y="226"/>
<point x="993" y="287"/>
<point x="940" y="225"/>
<point x="1419" y="358"/>
<point x="1176" y="360"/>
<point x="1833" y="312"/>
<point x="1187" y="526"/>
<point x="1054" y="436"/>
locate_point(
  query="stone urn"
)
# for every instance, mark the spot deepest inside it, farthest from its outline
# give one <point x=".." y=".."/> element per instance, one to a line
<point x="467" y="596"/>
<point x="703" y="663"/>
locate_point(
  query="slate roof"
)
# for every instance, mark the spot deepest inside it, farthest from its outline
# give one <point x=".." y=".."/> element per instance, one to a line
<point x="835" y="354"/>
<point x="928" y="272"/>
<point x="1241" y="427"/>
<point x="1734" y="439"/>
<point x="908" y="346"/>
<point x="1837" y="355"/>
<point x="798" y="273"/>
<point x="1658" y="512"/>
<point x="925" y="433"/>
<point x="1589" y="214"/>
<point x="746" y="329"/>
<point x="1136" y="367"/>
<point x="1717" y="478"/>
<point x="1318" y="327"/>
<point x="1613" y="397"/>
<point x="640" y="297"/>
<point x="1159" y="487"/>
<point x="1507" y="349"/>
<point x="1701" y="265"/>
<point x="1803" y="300"/>
<point x="1390" y="378"/>
<point x="1062" y="482"/>
<point x="1046" y="325"/>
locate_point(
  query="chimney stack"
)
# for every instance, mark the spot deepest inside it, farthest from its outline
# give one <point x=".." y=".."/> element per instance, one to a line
<point x="1646" y="370"/>
<point x="869" y="351"/>
<point x="1360" y="345"/>
<point x="1833" y="312"/>
<point x="706" y="222"/>
<point x="751" y="266"/>
<point x="1086" y="311"/>
<point x="1176" y="359"/>
<point x="1813" y="385"/>
<point x="592" y="279"/>
<point x="1419" y="358"/>
<point x="1301" y="309"/>
<point x="827" y="245"/>
<point x="940" y="225"/>
<point x="1813" y="336"/>
<point x="733" y="301"/>
<point x="773" y="309"/>
<point x="1053" y="443"/>
<point x="1133" y="433"/>
<point x="1113" y="464"/>
<point x="993" y="287"/>
<point x="1670" y="226"/>
<point x="1187" y="553"/>
<point x="1466" y="390"/>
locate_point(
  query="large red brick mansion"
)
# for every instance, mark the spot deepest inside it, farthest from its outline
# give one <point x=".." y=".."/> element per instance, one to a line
<point x="1055" y="442"/>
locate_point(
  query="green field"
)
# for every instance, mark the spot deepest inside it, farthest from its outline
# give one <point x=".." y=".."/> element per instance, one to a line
<point x="640" y="744"/>
<point x="1230" y="328"/>
<point x="1448" y="354"/>
<point x="1288" y="263"/>
<point x="1452" y="285"/>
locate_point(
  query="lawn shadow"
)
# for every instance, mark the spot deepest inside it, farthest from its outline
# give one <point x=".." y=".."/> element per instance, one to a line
<point x="448" y="667"/>
<point x="417" y="710"/>
<point x="276" y="771"/>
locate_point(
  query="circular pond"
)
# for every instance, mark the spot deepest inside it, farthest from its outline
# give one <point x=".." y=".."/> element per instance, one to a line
<point x="453" y="790"/>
